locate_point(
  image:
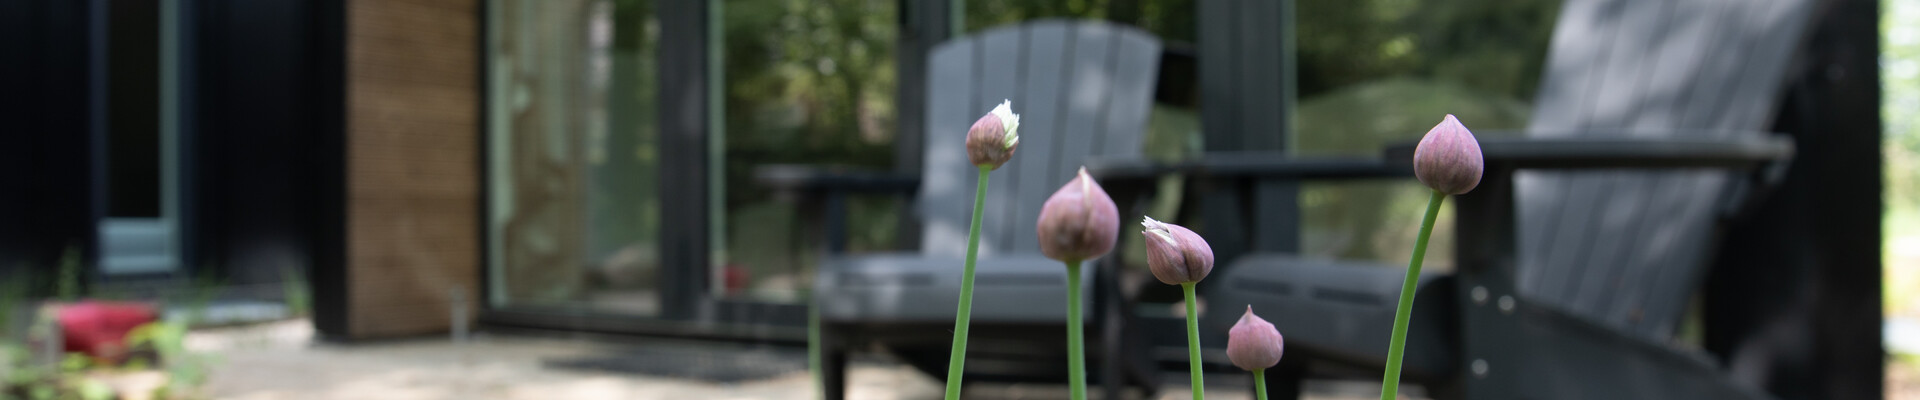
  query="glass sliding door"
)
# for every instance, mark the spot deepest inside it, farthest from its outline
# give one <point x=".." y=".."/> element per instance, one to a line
<point x="573" y="213"/>
<point x="803" y="82"/>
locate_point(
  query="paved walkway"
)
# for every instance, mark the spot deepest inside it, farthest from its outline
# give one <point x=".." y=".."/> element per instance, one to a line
<point x="280" y="361"/>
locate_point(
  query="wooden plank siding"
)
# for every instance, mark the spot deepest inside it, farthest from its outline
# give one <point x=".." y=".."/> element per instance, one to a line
<point x="411" y="158"/>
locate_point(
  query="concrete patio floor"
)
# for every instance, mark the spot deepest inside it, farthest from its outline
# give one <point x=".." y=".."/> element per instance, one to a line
<point x="280" y="360"/>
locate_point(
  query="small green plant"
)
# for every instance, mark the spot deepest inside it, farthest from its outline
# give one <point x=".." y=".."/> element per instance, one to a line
<point x="67" y="287"/>
<point x="13" y="293"/>
<point x="293" y="286"/>
<point x="20" y="378"/>
<point x="198" y="296"/>
<point x="186" y="371"/>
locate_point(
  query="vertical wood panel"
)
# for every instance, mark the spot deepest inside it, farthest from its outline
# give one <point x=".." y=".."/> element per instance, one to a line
<point x="1043" y="83"/>
<point x="947" y="179"/>
<point x="999" y="66"/>
<point x="411" y="154"/>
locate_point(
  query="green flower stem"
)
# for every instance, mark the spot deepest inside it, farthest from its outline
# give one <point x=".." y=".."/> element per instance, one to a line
<point x="957" y="366"/>
<point x="1390" y="384"/>
<point x="1193" y="342"/>
<point x="1260" y="384"/>
<point x="1076" y="341"/>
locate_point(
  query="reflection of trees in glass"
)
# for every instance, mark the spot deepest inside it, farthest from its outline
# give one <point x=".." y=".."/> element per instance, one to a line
<point x="1172" y="20"/>
<point x="573" y="153"/>
<point x="1490" y="46"/>
<point x="1380" y="72"/>
<point x="809" y="82"/>
<point x="537" y="147"/>
<point x="623" y="205"/>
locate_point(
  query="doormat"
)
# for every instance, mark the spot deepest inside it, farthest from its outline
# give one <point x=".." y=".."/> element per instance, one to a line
<point x="721" y="365"/>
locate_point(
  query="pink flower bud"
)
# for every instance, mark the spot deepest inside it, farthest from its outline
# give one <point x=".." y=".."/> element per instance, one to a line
<point x="992" y="139"/>
<point x="1448" y="158"/>
<point x="1175" y="254"/>
<point x="1079" y="222"/>
<point x="1253" y="343"/>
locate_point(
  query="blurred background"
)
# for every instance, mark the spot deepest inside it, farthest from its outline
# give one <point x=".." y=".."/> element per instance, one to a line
<point x="307" y="198"/>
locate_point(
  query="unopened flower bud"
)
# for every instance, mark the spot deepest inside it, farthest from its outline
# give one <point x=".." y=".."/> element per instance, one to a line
<point x="1079" y="222"/>
<point x="993" y="138"/>
<point x="1253" y="343"/>
<point x="1175" y="254"/>
<point x="1448" y="159"/>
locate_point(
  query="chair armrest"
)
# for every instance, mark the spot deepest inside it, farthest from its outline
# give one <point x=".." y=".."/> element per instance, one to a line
<point x="1746" y="151"/>
<point x="1250" y="165"/>
<point x="821" y="178"/>
<point x="822" y="190"/>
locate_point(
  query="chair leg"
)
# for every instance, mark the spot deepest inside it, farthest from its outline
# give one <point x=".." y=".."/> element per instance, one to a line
<point x="1112" y="354"/>
<point x="1284" y="382"/>
<point x="1113" y="364"/>
<point x="833" y="360"/>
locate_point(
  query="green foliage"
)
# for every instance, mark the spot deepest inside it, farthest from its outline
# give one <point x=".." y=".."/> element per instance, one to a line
<point x="1381" y="72"/>
<point x="1900" y="113"/>
<point x="1171" y="20"/>
<point x="68" y="285"/>
<point x="1494" y="46"/>
<point x="293" y="287"/>
<point x="807" y="82"/>
<point x="186" y="371"/>
<point x="75" y="375"/>
<point x="198" y="295"/>
<point x="21" y="379"/>
<point x="13" y="294"/>
<point x="1900" y="102"/>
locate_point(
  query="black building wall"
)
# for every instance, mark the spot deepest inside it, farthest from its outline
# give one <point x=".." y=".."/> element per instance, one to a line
<point x="259" y="137"/>
<point x="261" y="117"/>
<point x="46" y="173"/>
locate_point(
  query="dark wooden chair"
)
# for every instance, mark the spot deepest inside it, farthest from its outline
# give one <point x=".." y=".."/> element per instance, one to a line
<point x="1584" y="243"/>
<point x="1083" y="89"/>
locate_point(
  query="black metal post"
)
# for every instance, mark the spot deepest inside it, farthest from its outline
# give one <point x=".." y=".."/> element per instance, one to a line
<point x="684" y="132"/>
<point x="1485" y="251"/>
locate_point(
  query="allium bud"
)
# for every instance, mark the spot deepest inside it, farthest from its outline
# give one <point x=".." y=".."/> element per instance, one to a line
<point x="1079" y="222"/>
<point x="992" y="139"/>
<point x="1253" y="343"/>
<point x="1175" y="254"/>
<point x="1448" y="159"/>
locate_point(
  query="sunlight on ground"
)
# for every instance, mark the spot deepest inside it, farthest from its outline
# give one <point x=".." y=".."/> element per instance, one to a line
<point x="280" y="361"/>
<point x="1902" y="290"/>
<point x="1900" y="77"/>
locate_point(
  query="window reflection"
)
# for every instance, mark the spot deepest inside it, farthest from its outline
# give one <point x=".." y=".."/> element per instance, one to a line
<point x="1379" y="72"/>
<point x="573" y="216"/>
<point x="806" y="82"/>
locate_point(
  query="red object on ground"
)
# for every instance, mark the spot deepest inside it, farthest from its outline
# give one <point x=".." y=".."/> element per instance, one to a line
<point x="737" y="278"/>
<point x="99" y="328"/>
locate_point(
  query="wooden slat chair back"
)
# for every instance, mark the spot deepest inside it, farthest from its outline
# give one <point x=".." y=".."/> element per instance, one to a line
<point x="1628" y="248"/>
<point x="1082" y="89"/>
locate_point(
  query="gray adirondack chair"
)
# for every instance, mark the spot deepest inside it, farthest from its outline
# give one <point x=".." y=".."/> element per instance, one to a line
<point x="1082" y="89"/>
<point x="1581" y="248"/>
